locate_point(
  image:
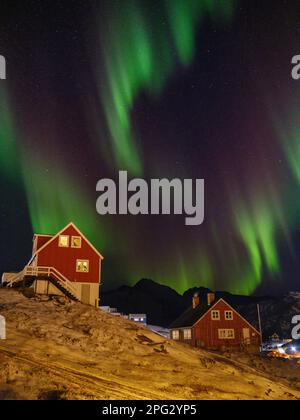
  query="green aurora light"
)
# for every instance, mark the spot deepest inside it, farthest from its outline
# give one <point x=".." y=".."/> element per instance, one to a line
<point x="139" y="56"/>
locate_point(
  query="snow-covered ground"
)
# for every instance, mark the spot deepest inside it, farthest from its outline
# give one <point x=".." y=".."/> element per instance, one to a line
<point x="164" y="332"/>
<point x="59" y="349"/>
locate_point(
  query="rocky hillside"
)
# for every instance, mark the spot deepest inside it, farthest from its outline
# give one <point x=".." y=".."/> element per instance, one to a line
<point x="57" y="349"/>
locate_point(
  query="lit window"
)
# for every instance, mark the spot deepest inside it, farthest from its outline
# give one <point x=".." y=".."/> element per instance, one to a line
<point x="187" y="334"/>
<point x="82" y="266"/>
<point x="226" y="334"/>
<point x="230" y="333"/>
<point x="229" y="315"/>
<point x="215" y="315"/>
<point x="76" y="242"/>
<point x="175" y="335"/>
<point x="63" y="241"/>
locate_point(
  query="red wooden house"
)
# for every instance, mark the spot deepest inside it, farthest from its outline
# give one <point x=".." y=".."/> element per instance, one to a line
<point x="62" y="264"/>
<point x="214" y="324"/>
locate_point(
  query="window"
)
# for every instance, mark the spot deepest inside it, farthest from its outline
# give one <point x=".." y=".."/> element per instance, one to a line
<point x="63" y="241"/>
<point x="175" y="335"/>
<point x="221" y="333"/>
<point x="76" y="242"/>
<point x="215" y="315"/>
<point x="187" y="334"/>
<point x="226" y="334"/>
<point x="230" y="333"/>
<point x="229" y="315"/>
<point x="82" y="266"/>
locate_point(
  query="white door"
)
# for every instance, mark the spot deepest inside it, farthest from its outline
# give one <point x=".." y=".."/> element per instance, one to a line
<point x="246" y="335"/>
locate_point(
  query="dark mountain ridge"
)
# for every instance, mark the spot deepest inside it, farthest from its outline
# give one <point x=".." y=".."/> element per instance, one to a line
<point x="163" y="305"/>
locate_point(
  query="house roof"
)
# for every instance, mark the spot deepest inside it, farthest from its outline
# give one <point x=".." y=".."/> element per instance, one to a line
<point x="60" y="232"/>
<point x="193" y="315"/>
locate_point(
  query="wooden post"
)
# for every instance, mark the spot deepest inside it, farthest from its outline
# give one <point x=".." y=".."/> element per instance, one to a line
<point x="259" y="323"/>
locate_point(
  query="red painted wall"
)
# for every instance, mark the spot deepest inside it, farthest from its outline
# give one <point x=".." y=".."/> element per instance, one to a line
<point x="64" y="259"/>
<point x="206" y="329"/>
<point x="41" y="240"/>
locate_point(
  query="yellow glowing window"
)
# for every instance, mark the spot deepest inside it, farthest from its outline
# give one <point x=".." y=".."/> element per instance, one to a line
<point x="63" y="241"/>
<point x="82" y="266"/>
<point x="226" y="334"/>
<point x="215" y="315"/>
<point x="76" y="242"/>
<point x="229" y="315"/>
<point x="175" y="335"/>
<point x="230" y="333"/>
<point x="187" y="334"/>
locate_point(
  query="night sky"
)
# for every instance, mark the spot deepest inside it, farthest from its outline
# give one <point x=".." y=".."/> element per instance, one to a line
<point x="160" y="88"/>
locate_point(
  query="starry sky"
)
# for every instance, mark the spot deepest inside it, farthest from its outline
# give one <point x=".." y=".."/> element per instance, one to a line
<point x="160" y="88"/>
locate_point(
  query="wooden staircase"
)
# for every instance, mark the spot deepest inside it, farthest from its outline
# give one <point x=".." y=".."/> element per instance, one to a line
<point x="8" y="279"/>
<point x="27" y="276"/>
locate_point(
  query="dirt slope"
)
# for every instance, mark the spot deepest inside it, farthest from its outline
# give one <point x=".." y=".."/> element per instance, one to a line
<point x="71" y="351"/>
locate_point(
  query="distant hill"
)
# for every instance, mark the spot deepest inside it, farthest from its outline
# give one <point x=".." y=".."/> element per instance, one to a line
<point x="163" y="305"/>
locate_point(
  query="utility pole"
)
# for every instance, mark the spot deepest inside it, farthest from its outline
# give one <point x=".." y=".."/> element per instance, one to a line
<point x="259" y="323"/>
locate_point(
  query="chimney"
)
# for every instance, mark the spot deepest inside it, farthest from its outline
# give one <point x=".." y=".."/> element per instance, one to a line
<point x="210" y="298"/>
<point x="196" y="300"/>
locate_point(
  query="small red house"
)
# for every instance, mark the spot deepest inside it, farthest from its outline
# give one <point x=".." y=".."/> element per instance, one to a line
<point x="214" y="324"/>
<point x="63" y="264"/>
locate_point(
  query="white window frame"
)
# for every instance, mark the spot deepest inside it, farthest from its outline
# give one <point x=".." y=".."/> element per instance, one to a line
<point x="215" y="318"/>
<point x="187" y="334"/>
<point x="228" y="313"/>
<point x="175" y="335"/>
<point x="82" y="261"/>
<point x="76" y="237"/>
<point x="226" y="334"/>
<point x="68" y="241"/>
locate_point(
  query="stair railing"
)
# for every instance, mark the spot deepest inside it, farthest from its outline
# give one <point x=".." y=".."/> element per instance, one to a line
<point x="51" y="271"/>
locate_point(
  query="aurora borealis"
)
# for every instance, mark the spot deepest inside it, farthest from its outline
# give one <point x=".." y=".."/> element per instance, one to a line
<point x="178" y="88"/>
<point x="140" y="55"/>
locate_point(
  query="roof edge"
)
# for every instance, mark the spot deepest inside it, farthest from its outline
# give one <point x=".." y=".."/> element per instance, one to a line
<point x="58" y="233"/>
